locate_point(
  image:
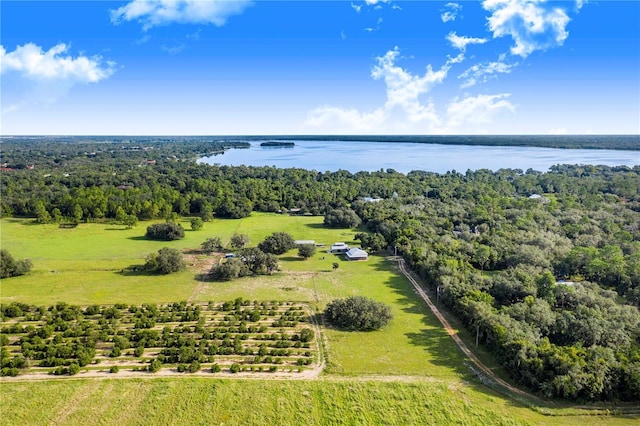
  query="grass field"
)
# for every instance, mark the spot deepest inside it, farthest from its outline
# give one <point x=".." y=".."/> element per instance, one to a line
<point x="407" y="373"/>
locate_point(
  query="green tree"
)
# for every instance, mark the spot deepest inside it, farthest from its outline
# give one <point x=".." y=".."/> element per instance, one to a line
<point x="277" y="243"/>
<point x="341" y="218"/>
<point x="130" y="221"/>
<point x="306" y="250"/>
<point x="306" y="335"/>
<point x="155" y="365"/>
<point x="42" y="215"/>
<point x="239" y="240"/>
<point x="358" y="313"/>
<point x="372" y="242"/>
<point x="230" y="269"/>
<point x="166" y="261"/>
<point x="211" y="244"/>
<point x="165" y="231"/>
<point x="9" y="267"/>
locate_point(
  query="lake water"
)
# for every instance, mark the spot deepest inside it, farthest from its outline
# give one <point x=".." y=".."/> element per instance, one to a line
<point x="405" y="157"/>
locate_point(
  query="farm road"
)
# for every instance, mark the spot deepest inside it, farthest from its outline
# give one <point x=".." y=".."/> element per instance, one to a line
<point x="463" y="347"/>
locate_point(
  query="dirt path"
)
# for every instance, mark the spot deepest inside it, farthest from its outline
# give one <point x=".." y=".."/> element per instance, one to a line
<point x="458" y="341"/>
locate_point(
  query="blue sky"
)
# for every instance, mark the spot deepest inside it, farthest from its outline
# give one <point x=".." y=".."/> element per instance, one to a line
<point x="204" y="67"/>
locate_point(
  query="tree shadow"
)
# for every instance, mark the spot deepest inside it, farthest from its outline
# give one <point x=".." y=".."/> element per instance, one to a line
<point x="134" y="271"/>
<point x="292" y="258"/>
<point x="139" y="238"/>
<point x="316" y="226"/>
<point x="205" y="278"/>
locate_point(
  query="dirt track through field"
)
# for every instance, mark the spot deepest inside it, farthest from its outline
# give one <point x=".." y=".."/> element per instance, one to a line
<point x="458" y="341"/>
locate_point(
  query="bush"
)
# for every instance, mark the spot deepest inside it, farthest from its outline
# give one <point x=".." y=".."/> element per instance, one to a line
<point x="196" y="224"/>
<point x="114" y="369"/>
<point x="306" y="335"/>
<point x="155" y="366"/>
<point x="194" y="367"/>
<point x="74" y="369"/>
<point x="165" y="231"/>
<point x="235" y="368"/>
<point x="215" y="368"/>
<point x="358" y="313"/>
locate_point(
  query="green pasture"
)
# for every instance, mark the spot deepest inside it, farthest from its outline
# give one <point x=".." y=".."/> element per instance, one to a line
<point x="265" y="402"/>
<point x="410" y="372"/>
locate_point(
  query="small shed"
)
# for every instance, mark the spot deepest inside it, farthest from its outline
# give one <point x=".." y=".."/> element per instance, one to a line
<point x="357" y="254"/>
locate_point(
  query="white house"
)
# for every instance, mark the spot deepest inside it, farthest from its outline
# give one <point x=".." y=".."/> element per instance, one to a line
<point x="339" y="248"/>
<point x="357" y="254"/>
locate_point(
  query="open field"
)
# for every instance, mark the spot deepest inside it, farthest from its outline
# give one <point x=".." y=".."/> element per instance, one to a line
<point x="407" y="373"/>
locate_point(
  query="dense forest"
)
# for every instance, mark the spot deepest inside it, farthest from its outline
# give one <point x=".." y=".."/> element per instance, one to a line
<point x="543" y="266"/>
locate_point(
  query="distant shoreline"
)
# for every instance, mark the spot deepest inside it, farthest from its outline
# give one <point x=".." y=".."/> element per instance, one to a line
<point x="614" y="142"/>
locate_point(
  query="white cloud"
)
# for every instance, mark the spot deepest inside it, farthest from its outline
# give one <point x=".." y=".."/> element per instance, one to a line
<point x="403" y="109"/>
<point x="35" y="64"/>
<point x="174" y="50"/>
<point x="35" y="76"/>
<point x="481" y="73"/>
<point x="452" y="13"/>
<point x="371" y="29"/>
<point x="476" y="110"/>
<point x="374" y="2"/>
<point x="356" y="7"/>
<point x="461" y="42"/>
<point x="558" y="131"/>
<point x="532" y="24"/>
<point x="152" y="13"/>
<point x="346" y="120"/>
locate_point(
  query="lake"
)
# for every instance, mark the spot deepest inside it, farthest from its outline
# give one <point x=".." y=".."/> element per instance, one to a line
<point x="405" y="157"/>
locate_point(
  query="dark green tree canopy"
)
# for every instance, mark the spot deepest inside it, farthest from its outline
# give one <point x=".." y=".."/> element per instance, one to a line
<point x="341" y="218"/>
<point x="9" y="267"/>
<point x="211" y="244"/>
<point x="165" y="231"/>
<point x="358" y="313"/>
<point x="306" y="250"/>
<point x="166" y="261"/>
<point x="277" y="243"/>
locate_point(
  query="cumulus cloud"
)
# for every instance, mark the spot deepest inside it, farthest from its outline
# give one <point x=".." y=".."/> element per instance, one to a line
<point x="476" y="110"/>
<point x="483" y="72"/>
<point x="356" y="7"/>
<point x="452" y="13"/>
<point x="36" y="76"/>
<point x="532" y="24"/>
<point x="152" y="13"/>
<point x="461" y="42"/>
<point x="403" y="108"/>
<point x="34" y="63"/>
